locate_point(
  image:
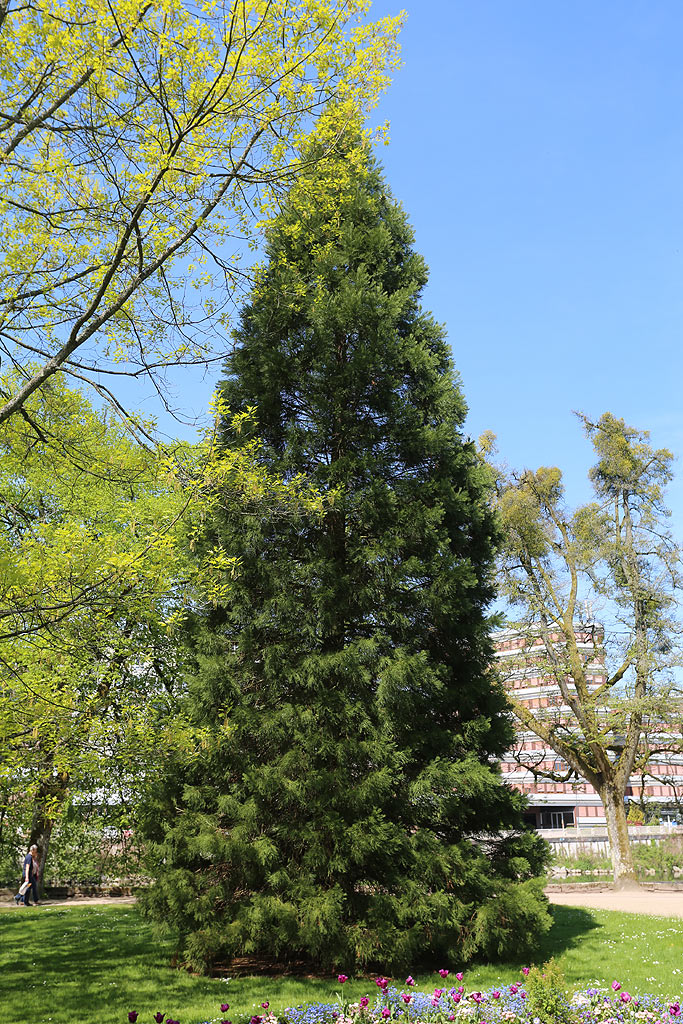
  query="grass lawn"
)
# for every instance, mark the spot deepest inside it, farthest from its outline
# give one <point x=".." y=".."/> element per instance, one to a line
<point x="86" y="964"/>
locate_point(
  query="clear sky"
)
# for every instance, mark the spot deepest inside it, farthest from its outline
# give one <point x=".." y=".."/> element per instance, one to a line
<point x="537" y="148"/>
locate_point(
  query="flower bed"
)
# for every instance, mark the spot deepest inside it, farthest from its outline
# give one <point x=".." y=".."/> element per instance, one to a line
<point x="538" y="998"/>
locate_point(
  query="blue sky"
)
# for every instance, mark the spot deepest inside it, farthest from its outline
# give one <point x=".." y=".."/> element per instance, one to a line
<point x="537" y="148"/>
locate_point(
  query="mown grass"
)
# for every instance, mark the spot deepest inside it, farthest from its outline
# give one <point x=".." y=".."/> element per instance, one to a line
<point x="90" y="964"/>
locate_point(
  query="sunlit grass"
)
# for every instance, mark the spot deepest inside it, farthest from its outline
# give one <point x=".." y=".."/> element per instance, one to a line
<point x="85" y="964"/>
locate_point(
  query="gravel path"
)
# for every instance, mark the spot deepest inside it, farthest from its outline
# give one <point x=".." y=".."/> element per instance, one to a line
<point x="658" y="903"/>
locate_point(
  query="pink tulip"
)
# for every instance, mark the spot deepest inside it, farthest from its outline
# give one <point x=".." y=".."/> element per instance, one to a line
<point x="625" y="997"/>
<point x="406" y="997"/>
<point x="443" y="972"/>
<point x="495" y="994"/>
<point x="341" y="978"/>
<point x="409" y="980"/>
<point x="616" y="986"/>
<point x="386" y="1012"/>
<point x="265" y="1005"/>
<point x="525" y="971"/>
<point x="363" y="1001"/>
<point x="459" y="975"/>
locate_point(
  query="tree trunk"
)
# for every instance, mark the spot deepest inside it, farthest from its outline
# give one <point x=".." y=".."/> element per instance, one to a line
<point x="50" y="796"/>
<point x="617" y="831"/>
<point x="41" y="831"/>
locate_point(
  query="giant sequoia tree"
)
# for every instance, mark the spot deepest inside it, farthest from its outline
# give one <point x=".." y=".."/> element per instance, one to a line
<point x="342" y="801"/>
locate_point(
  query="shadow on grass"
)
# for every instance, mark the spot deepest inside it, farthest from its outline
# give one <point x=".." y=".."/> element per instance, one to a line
<point x="570" y="927"/>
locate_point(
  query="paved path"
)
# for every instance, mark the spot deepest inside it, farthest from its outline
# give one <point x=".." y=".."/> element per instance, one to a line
<point x="658" y="903"/>
<point x="79" y="901"/>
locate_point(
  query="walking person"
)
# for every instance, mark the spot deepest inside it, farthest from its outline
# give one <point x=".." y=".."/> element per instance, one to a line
<point x="35" y="876"/>
<point x="27" y="878"/>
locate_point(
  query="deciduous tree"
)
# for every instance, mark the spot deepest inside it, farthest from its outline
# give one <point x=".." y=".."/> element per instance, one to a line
<point x="139" y="145"/>
<point x="617" y="553"/>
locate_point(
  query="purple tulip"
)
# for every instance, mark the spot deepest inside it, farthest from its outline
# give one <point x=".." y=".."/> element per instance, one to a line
<point x="476" y="996"/>
<point x="409" y="980"/>
<point x="225" y="1007"/>
<point x="460" y="989"/>
<point x="525" y="971"/>
<point x="444" y="973"/>
<point x="133" y="1016"/>
<point x="675" y="1009"/>
<point x="495" y="994"/>
<point x="341" y="978"/>
<point x="386" y="1012"/>
<point x="459" y="975"/>
<point x="255" y="1020"/>
<point x="159" y="1018"/>
<point x="616" y="986"/>
<point x="514" y="989"/>
<point x="457" y="997"/>
<point x="226" y="1022"/>
<point x="438" y="992"/>
<point x="625" y="997"/>
<point x="382" y="983"/>
<point x="406" y="997"/>
<point x="265" y="1005"/>
<point x="522" y="995"/>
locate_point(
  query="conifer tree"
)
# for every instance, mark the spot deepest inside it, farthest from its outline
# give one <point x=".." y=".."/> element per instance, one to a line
<point x="344" y="805"/>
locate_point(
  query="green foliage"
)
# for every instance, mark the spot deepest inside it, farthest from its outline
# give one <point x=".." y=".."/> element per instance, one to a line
<point x="661" y="857"/>
<point x="106" y="265"/>
<point x="344" y="805"/>
<point x="583" y="862"/>
<point x="547" y="994"/>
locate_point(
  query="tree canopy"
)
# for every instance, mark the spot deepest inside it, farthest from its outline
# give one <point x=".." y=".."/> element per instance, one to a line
<point x="139" y="146"/>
